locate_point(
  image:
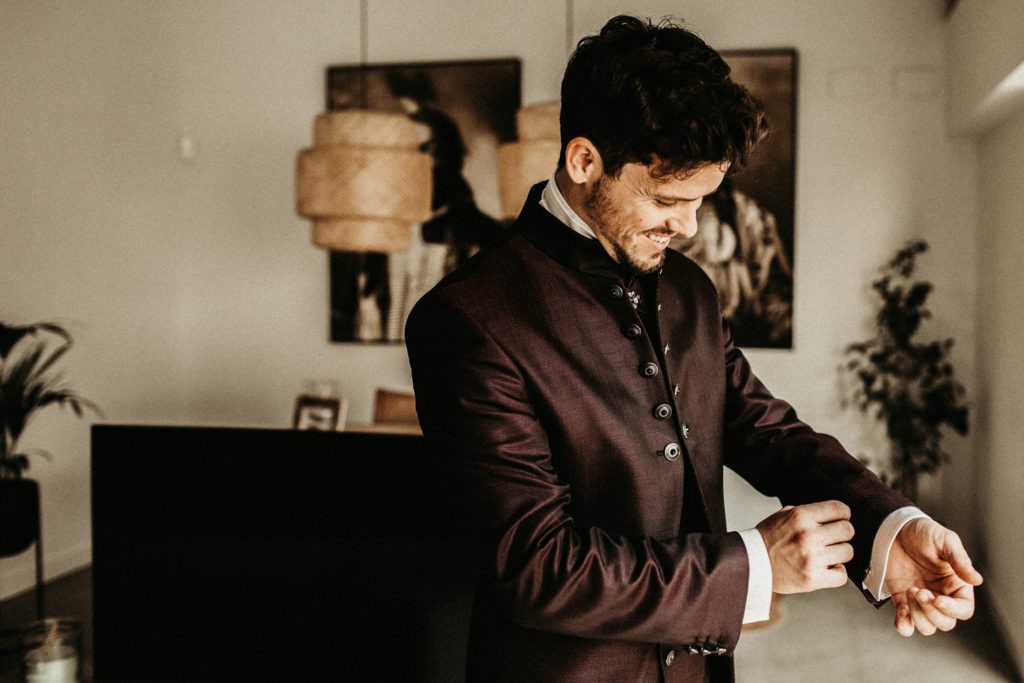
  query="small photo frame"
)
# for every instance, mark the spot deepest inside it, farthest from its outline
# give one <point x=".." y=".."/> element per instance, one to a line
<point x="318" y="413"/>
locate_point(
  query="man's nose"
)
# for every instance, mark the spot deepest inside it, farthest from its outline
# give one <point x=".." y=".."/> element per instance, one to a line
<point x="684" y="223"/>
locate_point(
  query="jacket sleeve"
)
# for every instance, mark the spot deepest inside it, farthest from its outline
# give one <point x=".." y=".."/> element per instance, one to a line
<point x="767" y="444"/>
<point x="543" y="570"/>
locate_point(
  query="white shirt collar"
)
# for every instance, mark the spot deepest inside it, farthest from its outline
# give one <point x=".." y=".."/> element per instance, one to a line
<point x="552" y="200"/>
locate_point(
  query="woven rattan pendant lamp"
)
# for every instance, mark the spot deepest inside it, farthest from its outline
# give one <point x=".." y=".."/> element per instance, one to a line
<point x="364" y="183"/>
<point x="534" y="155"/>
<point x="531" y="158"/>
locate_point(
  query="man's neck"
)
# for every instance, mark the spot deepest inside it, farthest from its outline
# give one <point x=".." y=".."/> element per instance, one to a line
<point x="570" y="191"/>
<point x="557" y="205"/>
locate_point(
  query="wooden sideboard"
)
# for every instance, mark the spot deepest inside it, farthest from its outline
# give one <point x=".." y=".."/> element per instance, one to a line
<point x="261" y="554"/>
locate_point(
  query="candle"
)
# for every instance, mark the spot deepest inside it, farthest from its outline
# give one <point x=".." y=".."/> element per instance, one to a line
<point x="63" y="670"/>
<point x="51" y="648"/>
<point x="54" y="661"/>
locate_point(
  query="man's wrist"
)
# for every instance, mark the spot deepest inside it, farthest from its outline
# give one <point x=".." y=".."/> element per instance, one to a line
<point x="874" y="577"/>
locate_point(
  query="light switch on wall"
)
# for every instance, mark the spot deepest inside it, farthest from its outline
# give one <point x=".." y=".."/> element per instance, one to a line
<point x="854" y="83"/>
<point x="187" y="149"/>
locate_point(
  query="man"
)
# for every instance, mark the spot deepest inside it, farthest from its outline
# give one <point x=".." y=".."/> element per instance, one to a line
<point x="582" y="396"/>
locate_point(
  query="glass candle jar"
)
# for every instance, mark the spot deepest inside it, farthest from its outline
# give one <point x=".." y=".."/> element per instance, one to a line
<point x="51" y="651"/>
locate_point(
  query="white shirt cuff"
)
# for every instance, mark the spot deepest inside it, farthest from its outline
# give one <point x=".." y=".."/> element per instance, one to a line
<point x="874" y="578"/>
<point x="759" y="581"/>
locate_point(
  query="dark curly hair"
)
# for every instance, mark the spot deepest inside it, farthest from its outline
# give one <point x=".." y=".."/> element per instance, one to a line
<point x="656" y="95"/>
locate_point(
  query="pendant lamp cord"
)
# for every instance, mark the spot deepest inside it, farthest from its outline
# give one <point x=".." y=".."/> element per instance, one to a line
<point x="569" y="30"/>
<point x="364" y="37"/>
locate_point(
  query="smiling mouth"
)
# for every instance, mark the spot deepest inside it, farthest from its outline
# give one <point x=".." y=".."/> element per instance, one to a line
<point x="660" y="240"/>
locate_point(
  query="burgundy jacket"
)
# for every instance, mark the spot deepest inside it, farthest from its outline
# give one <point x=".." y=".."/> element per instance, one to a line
<point x="583" y="447"/>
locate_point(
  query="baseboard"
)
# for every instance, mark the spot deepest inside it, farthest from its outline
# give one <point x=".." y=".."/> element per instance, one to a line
<point x="1011" y="628"/>
<point x="18" y="574"/>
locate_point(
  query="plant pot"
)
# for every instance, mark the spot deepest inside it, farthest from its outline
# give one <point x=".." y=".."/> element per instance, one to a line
<point x="19" y="515"/>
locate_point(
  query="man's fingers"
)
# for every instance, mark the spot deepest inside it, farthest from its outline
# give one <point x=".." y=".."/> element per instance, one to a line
<point x="839" y="531"/>
<point x="925" y="603"/>
<point x="922" y="623"/>
<point x="959" y="605"/>
<point x="836" y="554"/>
<point x="825" y="511"/>
<point x="903" y="622"/>
<point x="836" y="576"/>
<point x="921" y="610"/>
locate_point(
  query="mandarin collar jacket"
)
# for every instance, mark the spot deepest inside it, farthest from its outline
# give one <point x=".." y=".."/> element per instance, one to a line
<point x="580" y="419"/>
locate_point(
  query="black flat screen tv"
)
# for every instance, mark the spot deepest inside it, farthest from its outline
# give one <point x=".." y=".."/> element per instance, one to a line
<point x="279" y="555"/>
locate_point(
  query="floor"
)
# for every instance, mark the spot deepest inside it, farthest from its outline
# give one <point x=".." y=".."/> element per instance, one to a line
<point x="835" y="635"/>
<point x="830" y="635"/>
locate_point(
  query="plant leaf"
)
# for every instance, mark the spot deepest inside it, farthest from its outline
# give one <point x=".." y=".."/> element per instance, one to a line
<point x="27" y="384"/>
<point x="12" y="334"/>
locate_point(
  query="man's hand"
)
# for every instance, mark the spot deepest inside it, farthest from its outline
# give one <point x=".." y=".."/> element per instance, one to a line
<point x="807" y="546"/>
<point x="931" y="578"/>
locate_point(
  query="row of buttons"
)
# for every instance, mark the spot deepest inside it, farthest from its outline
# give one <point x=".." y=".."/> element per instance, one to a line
<point x="662" y="411"/>
<point x="704" y="649"/>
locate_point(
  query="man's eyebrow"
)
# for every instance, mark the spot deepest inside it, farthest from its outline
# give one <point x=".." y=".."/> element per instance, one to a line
<point x="676" y="198"/>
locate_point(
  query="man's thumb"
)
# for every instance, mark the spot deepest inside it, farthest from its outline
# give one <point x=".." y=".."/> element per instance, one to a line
<point x="960" y="561"/>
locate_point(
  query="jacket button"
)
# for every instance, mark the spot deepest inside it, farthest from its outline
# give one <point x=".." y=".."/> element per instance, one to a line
<point x="649" y="369"/>
<point x="671" y="451"/>
<point x="617" y="291"/>
<point x="663" y="411"/>
<point x="670" y="657"/>
<point x="632" y="331"/>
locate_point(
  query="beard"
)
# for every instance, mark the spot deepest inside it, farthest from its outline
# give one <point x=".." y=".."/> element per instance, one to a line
<point x="604" y="217"/>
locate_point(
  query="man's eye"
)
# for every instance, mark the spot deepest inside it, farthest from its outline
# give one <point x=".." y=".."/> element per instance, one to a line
<point x="666" y="202"/>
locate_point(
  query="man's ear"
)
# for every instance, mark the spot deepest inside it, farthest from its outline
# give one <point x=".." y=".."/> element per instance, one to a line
<point x="582" y="161"/>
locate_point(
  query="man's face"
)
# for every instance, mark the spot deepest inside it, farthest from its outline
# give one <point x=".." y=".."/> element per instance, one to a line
<point x="635" y="215"/>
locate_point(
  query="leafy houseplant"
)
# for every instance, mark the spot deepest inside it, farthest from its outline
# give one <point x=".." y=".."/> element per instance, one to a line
<point x="907" y="385"/>
<point x="28" y="382"/>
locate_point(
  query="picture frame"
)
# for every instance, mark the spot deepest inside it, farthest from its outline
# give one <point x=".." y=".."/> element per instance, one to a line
<point x="469" y="108"/>
<point x="746" y="237"/>
<point x="319" y="413"/>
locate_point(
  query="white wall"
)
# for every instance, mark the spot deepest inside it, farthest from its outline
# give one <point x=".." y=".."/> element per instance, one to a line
<point x="1001" y="431"/>
<point x="192" y="288"/>
<point x="985" y="48"/>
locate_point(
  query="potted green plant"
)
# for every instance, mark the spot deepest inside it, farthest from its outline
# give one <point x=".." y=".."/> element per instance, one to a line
<point x="908" y="385"/>
<point x="29" y="381"/>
